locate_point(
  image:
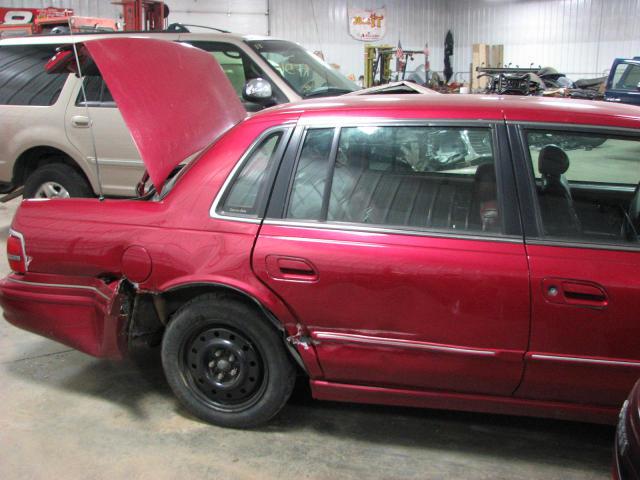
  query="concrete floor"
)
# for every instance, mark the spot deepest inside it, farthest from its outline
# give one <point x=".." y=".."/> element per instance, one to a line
<point x="66" y="415"/>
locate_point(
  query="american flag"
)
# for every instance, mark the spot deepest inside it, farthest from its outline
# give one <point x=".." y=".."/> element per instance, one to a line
<point x="399" y="51"/>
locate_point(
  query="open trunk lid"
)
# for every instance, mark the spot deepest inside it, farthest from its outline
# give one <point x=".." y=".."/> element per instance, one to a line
<point x="174" y="98"/>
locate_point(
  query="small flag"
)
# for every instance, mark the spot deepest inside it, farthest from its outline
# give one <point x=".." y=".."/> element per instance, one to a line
<point x="399" y="51"/>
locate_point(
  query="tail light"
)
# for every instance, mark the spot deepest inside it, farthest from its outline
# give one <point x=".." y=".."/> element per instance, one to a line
<point x="16" y="252"/>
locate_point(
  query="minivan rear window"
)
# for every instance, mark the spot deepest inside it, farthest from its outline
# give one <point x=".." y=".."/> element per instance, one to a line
<point x="23" y="79"/>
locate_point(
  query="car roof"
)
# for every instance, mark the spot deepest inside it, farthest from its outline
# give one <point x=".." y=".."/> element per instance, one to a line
<point x="80" y="37"/>
<point x="462" y="107"/>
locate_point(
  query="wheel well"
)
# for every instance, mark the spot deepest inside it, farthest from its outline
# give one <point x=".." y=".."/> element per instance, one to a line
<point x="152" y="312"/>
<point x="177" y="297"/>
<point x="35" y="157"/>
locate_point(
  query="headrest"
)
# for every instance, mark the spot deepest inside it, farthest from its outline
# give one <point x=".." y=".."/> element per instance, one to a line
<point x="552" y="160"/>
<point x="358" y="156"/>
<point x="486" y="173"/>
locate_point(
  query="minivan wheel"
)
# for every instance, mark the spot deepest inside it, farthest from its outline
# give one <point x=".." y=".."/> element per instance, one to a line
<point x="56" y="180"/>
<point x="225" y="363"/>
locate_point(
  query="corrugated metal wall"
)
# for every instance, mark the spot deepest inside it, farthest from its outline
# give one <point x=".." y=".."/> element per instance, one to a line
<point x="580" y="37"/>
<point x="89" y="8"/>
<point x="322" y="25"/>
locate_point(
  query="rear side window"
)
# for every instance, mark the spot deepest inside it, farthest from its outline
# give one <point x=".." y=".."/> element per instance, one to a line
<point x="23" y="79"/>
<point x="586" y="185"/>
<point x="248" y="188"/>
<point x="98" y="95"/>
<point x="311" y="175"/>
<point x="409" y="177"/>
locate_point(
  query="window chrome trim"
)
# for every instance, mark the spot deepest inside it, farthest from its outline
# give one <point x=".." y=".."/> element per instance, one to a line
<point x="595" y="361"/>
<point x="399" y="343"/>
<point x="572" y="127"/>
<point x="285" y="129"/>
<point x="60" y="285"/>
<point x="358" y="227"/>
<point x="576" y="244"/>
<point x="346" y="121"/>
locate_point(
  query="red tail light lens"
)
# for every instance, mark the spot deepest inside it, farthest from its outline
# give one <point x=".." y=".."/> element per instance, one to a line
<point x="15" y="252"/>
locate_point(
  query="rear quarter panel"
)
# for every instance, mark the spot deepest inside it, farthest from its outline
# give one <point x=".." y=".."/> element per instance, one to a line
<point x="87" y="237"/>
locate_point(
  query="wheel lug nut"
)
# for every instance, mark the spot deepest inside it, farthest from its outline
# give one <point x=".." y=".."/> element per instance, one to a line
<point x="231" y="358"/>
<point x="218" y="353"/>
<point x="233" y="372"/>
<point x="212" y="364"/>
<point x="220" y="376"/>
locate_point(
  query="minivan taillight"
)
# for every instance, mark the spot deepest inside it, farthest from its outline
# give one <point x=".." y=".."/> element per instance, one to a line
<point x="15" y="252"/>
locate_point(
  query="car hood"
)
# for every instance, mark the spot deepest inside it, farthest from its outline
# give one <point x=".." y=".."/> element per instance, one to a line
<point x="174" y="98"/>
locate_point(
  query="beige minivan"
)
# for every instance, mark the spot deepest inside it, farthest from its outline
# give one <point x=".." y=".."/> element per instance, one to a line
<point x="51" y="132"/>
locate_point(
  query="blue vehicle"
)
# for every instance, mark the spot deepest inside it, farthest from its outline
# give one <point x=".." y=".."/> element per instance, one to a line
<point x="623" y="84"/>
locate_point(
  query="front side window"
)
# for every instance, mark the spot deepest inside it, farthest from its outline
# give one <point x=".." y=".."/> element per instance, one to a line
<point x="23" y="79"/>
<point x="238" y="67"/>
<point x="441" y="178"/>
<point x="307" y="74"/>
<point x="244" y="196"/>
<point x="586" y="185"/>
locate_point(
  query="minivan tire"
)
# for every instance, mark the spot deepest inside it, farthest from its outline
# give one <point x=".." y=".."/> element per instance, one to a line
<point x="226" y="363"/>
<point x="58" y="175"/>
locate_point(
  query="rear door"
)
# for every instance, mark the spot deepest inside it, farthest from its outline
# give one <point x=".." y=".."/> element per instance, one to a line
<point x="398" y="248"/>
<point x="584" y="255"/>
<point x="120" y="164"/>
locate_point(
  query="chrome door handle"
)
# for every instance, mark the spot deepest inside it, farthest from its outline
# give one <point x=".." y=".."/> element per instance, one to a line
<point x="80" y="121"/>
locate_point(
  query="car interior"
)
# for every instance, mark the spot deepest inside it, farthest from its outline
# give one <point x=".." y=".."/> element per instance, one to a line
<point x="382" y="183"/>
<point x="587" y="207"/>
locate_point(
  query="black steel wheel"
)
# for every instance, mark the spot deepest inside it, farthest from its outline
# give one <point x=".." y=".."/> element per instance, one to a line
<point x="226" y="363"/>
<point x="225" y="367"/>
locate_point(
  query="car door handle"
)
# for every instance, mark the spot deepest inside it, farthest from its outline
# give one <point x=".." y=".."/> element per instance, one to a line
<point x="291" y="268"/>
<point x="575" y="292"/>
<point x="80" y="121"/>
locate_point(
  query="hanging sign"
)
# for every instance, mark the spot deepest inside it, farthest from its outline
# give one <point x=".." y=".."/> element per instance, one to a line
<point x="367" y="25"/>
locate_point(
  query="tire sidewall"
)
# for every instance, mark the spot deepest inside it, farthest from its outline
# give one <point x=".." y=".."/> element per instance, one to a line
<point x="279" y="372"/>
<point x="60" y="173"/>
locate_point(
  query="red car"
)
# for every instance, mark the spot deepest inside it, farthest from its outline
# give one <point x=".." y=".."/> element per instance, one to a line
<point x="461" y="252"/>
<point x="626" y="459"/>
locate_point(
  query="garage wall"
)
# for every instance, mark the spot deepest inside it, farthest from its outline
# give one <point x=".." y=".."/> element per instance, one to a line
<point x="241" y="16"/>
<point x="580" y="37"/>
<point x="88" y="8"/>
<point x="322" y="25"/>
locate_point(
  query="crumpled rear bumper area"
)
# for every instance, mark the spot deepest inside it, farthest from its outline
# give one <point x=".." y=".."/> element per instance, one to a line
<point x="83" y="313"/>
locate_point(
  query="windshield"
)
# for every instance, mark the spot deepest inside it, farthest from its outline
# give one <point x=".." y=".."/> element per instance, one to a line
<point x="304" y="72"/>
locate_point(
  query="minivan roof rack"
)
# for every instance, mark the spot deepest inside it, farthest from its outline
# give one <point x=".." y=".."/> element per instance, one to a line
<point x="182" y="28"/>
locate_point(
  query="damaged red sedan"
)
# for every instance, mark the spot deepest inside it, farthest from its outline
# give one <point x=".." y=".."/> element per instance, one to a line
<point x="460" y="252"/>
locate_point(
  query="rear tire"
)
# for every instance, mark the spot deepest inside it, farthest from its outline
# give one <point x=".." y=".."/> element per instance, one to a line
<point x="56" y="180"/>
<point x="225" y="363"/>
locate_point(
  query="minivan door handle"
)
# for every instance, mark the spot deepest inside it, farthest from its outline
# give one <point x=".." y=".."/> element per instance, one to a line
<point x="575" y="292"/>
<point x="291" y="268"/>
<point x="80" y="121"/>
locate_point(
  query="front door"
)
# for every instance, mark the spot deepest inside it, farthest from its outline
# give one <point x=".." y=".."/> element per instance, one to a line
<point x="624" y="84"/>
<point x="97" y="123"/>
<point x="584" y="260"/>
<point x="396" y="248"/>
